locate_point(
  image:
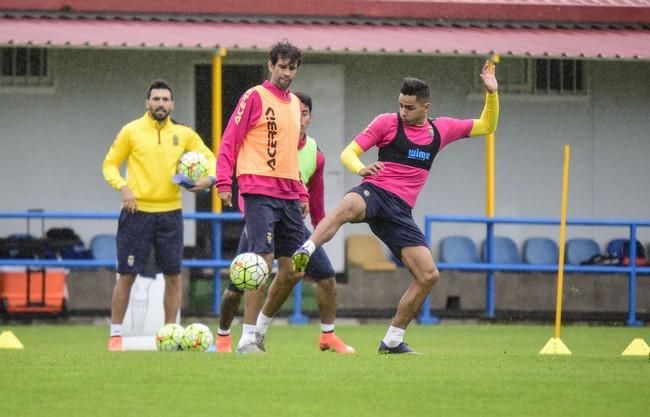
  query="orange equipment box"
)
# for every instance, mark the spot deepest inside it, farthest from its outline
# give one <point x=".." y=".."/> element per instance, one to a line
<point x="32" y="291"/>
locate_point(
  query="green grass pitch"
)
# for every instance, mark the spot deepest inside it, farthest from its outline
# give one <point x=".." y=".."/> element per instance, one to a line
<point x="464" y="370"/>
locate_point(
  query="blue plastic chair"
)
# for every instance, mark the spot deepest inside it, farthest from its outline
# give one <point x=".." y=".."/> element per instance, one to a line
<point x="620" y="247"/>
<point x="541" y="251"/>
<point x="458" y="249"/>
<point x="580" y="250"/>
<point x="615" y="247"/>
<point x="505" y="251"/>
<point x="104" y="246"/>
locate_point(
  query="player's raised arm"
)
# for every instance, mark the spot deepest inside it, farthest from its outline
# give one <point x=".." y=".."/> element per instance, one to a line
<point x="489" y="79"/>
<point x="490" y="116"/>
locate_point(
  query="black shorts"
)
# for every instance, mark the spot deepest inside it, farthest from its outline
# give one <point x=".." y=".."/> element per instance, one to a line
<point x="273" y="225"/>
<point x="390" y="218"/>
<point x="138" y="232"/>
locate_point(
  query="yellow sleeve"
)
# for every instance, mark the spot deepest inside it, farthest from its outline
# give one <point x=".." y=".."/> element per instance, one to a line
<point x="114" y="158"/>
<point x="350" y="158"/>
<point x="489" y="117"/>
<point x="197" y="144"/>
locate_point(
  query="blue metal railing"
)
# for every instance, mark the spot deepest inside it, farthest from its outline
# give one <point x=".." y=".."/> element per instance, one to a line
<point x="297" y="317"/>
<point x="216" y="262"/>
<point x="490" y="266"/>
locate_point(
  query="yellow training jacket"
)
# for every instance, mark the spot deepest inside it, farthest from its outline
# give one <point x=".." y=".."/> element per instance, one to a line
<point x="152" y="150"/>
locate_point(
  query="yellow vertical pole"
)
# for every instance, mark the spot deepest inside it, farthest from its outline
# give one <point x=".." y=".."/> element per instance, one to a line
<point x="555" y="346"/>
<point x="560" y="266"/>
<point x="217" y="111"/>
<point x="489" y="202"/>
<point x="490" y="156"/>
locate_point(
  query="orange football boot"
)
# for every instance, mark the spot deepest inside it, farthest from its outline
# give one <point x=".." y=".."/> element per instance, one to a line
<point x="330" y="341"/>
<point x="223" y="343"/>
<point x="115" y="344"/>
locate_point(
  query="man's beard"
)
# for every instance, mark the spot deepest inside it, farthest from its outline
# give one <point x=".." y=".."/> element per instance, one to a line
<point x="155" y="115"/>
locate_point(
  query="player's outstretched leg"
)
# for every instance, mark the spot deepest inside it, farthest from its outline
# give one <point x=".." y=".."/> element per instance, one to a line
<point x="351" y="209"/>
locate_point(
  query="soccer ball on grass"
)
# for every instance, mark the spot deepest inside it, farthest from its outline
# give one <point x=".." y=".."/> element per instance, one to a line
<point x="197" y="337"/>
<point x="248" y="271"/>
<point x="169" y="337"/>
<point x="193" y="165"/>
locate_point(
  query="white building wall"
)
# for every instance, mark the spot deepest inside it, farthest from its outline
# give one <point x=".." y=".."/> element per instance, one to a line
<point x="52" y="143"/>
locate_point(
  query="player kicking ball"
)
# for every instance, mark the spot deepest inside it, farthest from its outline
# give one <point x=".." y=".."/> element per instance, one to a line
<point x="407" y="143"/>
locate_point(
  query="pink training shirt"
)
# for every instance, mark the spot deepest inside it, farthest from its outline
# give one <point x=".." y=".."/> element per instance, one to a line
<point x="315" y="188"/>
<point x="406" y="181"/>
<point x="245" y="116"/>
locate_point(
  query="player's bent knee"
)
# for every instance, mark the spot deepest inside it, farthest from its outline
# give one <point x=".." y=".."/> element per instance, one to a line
<point x="430" y="277"/>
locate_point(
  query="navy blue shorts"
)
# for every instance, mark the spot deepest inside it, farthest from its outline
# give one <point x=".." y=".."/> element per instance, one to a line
<point x="138" y="232"/>
<point x="318" y="268"/>
<point x="390" y="218"/>
<point x="273" y="225"/>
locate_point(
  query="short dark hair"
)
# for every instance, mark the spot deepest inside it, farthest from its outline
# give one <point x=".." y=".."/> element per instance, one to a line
<point x="304" y="99"/>
<point x="159" y="85"/>
<point x="285" y="50"/>
<point x="418" y="88"/>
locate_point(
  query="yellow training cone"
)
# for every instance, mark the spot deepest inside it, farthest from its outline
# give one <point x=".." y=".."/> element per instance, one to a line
<point x="638" y="347"/>
<point x="9" y="341"/>
<point x="555" y="347"/>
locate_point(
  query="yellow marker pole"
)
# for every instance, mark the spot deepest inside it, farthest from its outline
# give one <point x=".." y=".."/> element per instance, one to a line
<point x="217" y="111"/>
<point x="489" y="200"/>
<point x="560" y="262"/>
<point x="217" y="129"/>
<point x="490" y="156"/>
<point x="555" y="346"/>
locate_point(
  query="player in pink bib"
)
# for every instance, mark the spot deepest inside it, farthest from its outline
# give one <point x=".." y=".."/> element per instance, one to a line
<point x="407" y="142"/>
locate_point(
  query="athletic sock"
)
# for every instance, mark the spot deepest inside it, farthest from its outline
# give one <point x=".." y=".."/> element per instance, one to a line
<point x="247" y="335"/>
<point x="309" y="246"/>
<point x="223" y="332"/>
<point x="394" y="336"/>
<point x="263" y="323"/>
<point x="116" y="330"/>
<point x="327" y="328"/>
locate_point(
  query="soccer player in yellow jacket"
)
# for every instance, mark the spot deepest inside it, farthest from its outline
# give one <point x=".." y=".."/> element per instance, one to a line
<point x="151" y="213"/>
